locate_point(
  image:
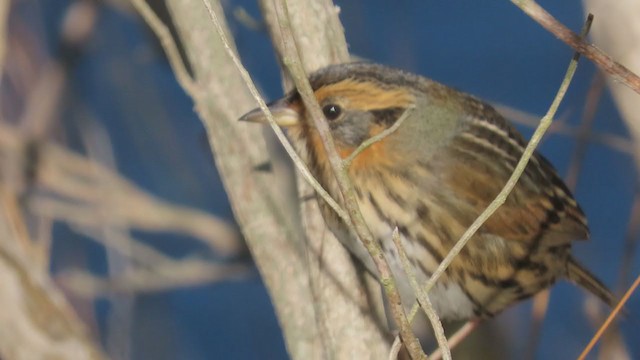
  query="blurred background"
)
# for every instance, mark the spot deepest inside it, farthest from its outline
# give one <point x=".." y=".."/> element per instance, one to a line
<point x="91" y="78"/>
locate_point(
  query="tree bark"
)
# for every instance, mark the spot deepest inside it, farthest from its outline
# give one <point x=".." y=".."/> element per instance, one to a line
<point x="316" y="290"/>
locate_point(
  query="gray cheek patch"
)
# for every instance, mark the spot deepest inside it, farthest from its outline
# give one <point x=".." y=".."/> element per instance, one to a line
<point x="387" y="117"/>
<point x="353" y="128"/>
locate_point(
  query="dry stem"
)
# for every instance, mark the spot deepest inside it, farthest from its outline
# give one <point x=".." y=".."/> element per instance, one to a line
<point x="423" y="299"/>
<point x="610" y="318"/>
<point x="292" y="62"/>
<point x="601" y="59"/>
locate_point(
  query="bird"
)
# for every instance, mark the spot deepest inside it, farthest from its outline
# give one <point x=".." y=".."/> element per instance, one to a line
<point x="430" y="179"/>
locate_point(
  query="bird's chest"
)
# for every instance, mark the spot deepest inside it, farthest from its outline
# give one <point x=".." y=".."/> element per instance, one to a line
<point x="383" y="211"/>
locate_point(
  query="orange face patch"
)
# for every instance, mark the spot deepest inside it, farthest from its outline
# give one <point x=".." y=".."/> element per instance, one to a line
<point x="374" y="155"/>
<point x="365" y="95"/>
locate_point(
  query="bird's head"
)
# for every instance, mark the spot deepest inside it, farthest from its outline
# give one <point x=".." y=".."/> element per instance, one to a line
<point x="361" y="100"/>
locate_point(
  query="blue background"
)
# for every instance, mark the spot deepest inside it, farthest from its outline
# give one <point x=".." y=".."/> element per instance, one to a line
<point x="487" y="48"/>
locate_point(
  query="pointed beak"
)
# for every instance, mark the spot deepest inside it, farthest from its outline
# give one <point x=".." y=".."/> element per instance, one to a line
<point x="281" y="110"/>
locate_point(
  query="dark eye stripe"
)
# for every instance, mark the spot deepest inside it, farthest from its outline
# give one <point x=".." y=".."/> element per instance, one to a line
<point x="387" y="117"/>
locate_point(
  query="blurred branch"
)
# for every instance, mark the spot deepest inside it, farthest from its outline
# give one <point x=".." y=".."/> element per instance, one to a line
<point x="36" y="322"/>
<point x="612" y="141"/>
<point x="5" y="7"/>
<point x="322" y="42"/>
<point x="79" y="189"/>
<point x="584" y="130"/>
<point x="166" y="275"/>
<point x="168" y="44"/>
<point x="150" y="269"/>
<point x="78" y="179"/>
<point x="618" y="34"/>
<point x="630" y="248"/>
<point x="601" y="59"/>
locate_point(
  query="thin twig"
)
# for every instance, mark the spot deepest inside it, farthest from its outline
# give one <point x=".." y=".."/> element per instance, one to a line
<point x="5" y="7"/>
<point x="423" y="299"/>
<point x="395" y="348"/>
<point x="169" y="45"/>
<point x="585" y="129"/>
<point x="292" y="62"/>
<point x="517" y="172"/>
<point x="599" y="57"/>
<point x="630" y="242"/>
<point x="616" y="142"/>
<point x="513" y="179"/>
<point x="346" y="163"/>
<point x="541" y="300"/>
<point x="458" y="336"/>
<point x="609" y="320"/>
<point x="300" y="165"/>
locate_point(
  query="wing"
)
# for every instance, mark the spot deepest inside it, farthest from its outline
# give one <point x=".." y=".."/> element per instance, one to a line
<point x="540" y="209"/>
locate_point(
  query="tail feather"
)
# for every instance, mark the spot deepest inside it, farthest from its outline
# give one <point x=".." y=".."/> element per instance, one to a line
<point x="582" y="277"/>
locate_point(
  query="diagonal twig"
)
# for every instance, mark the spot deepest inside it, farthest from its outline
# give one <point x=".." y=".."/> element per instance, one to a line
<point x="619" y="72"/>
<point x="515" y="176"/>
<point x="346" y="163"/>
<point x="272" y="122"/>
<point x="610" y="318"/>
<point x="423" y="299"/>
<point x="356" y="220"/>
<point x="513" y="179"/>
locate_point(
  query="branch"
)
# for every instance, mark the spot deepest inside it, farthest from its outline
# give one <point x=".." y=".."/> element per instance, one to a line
<point x="346" y="163"/>
<point x="149" y="269"/>
<point x="613" y="141"/>
<point x="75" y="189"/>
<point x="292" y="60"/>
<point x="162" y="277"/>
<point x="610" y="318"/>
<point x="601" y="59"/>
<point x="35" y="321"/>
<point x="545" y="122"/>
<point x="423" y="299"/>
<point x="302" y="167"/>
<point x="517" y="172"/>
<point x="169" y="46"/>
<point x="5" y="7"/>
<point x="273" y="235"/>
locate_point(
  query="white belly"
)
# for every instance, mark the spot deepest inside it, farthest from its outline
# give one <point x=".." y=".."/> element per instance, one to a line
<point x="448" y="299"/>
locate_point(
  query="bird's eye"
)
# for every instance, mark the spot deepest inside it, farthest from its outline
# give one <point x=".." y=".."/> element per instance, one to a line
<point x="331" y="111"/>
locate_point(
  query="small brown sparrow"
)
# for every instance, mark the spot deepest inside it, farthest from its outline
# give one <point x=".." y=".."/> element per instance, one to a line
<point x="431" y="178"/>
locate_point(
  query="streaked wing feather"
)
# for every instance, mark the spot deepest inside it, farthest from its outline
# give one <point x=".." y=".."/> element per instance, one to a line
<point x="539" y="207"/>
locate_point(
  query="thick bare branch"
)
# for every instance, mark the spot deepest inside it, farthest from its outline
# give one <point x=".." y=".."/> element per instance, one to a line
<point x="275" y="242"/>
